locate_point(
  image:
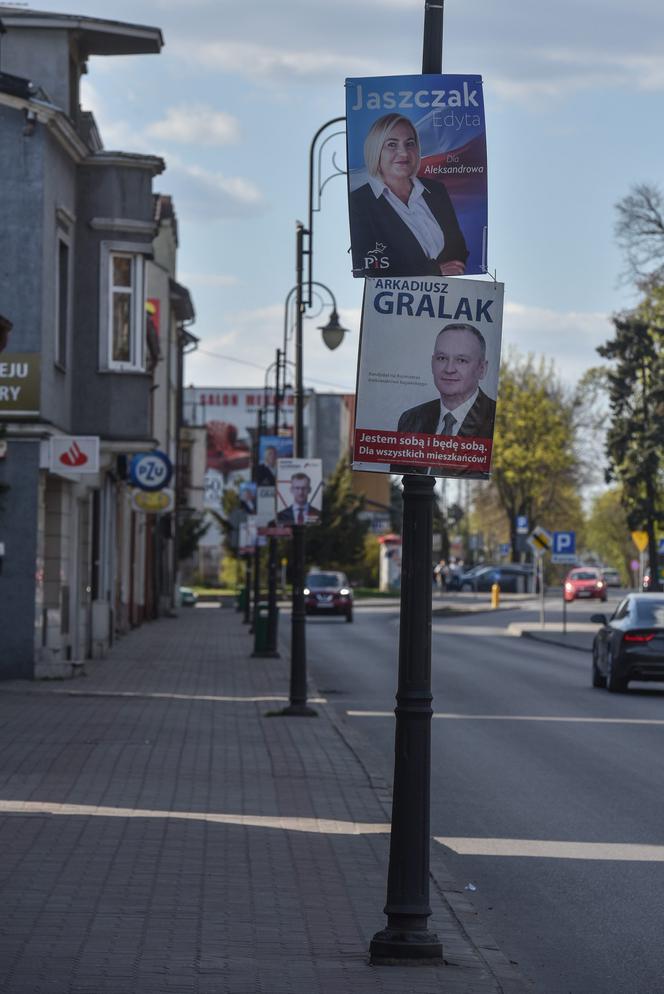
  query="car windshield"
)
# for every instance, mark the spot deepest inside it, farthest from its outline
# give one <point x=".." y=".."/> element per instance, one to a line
<point x="650" y="612"/>
<point x="584" y="575"/>
<point x="324" y="580"/>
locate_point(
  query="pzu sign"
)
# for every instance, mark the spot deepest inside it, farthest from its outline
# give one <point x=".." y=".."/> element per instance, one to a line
<point x="150" y="470"/>
<point x="563" y="548"/>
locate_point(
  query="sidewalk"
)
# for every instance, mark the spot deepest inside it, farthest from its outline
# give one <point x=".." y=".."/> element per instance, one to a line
<point x="159" y="833"/>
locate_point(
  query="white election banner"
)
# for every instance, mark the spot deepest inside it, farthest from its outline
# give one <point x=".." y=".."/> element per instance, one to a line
<point x="428" y="376"/>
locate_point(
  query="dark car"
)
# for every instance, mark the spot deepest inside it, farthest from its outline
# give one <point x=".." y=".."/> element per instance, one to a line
<point x="511" y="578"/>
<point x="585" y="581"/>
<point x="630" y="644"/>
<point x="327" y="592"/>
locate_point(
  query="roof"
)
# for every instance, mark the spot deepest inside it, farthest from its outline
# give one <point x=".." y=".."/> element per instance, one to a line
<point x="96" y="36"/>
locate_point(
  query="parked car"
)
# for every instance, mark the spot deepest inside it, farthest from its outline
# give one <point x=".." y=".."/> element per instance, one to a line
<point x="512" y="578"/>
<point x="188" y="597"/>
<point x="327" y="592"/>
<point x="630" y="644"/>
<point x="585" y="581"/>
<point x="611" y="577"/>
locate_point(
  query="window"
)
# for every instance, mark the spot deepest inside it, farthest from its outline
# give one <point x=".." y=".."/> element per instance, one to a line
<point x="122" y="318"/>
<point x="62" y="303"/>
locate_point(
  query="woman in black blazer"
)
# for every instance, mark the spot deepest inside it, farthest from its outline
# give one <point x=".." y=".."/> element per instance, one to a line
<point x="402" y="225"/>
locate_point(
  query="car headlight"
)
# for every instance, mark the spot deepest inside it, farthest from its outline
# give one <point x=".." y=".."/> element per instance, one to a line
<point x="306" y="591"/>
<point x="344" y="591"/>
<point x="599" y="584"/>
<point x="569" y="586"/>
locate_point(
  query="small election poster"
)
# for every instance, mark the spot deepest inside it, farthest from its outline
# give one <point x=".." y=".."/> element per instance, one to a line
<point x="428" y="376"/>
<point x="299" y="491"/>
<point x="417" y="175"/>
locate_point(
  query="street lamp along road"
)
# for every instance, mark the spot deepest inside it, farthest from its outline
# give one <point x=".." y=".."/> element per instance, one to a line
<point x="333" y="334"/>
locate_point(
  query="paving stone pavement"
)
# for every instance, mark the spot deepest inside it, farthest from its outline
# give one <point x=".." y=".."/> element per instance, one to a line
<point x="161" y="834"/>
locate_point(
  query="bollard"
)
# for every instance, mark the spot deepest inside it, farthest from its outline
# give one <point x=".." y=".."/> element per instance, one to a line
<point x="495" y="595"/>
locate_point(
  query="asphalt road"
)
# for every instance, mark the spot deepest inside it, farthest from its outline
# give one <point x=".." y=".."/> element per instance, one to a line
<point x="558" y="824"/>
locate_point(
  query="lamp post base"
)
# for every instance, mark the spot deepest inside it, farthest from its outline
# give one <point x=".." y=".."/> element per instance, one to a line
<point x="298" y="711"/>
<point x="396" y="945"/>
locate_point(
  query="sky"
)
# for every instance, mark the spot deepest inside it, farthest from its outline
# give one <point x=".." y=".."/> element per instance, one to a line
<point x="573" y="98"/>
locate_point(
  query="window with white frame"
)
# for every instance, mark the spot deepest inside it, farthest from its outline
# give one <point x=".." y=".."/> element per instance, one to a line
<point x="123" y="323"/>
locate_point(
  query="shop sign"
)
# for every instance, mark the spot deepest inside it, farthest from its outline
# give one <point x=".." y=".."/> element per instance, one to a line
<point x="153" y="502"/>
<point x="74" y="454"/>
<point x="20" y="374"/>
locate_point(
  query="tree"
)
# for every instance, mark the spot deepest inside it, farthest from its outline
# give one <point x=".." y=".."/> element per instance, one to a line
<point x="535" y="469"/>
<point x="607" y="532"/>
<point x="635" y="439"/>
<point x="338" y="540"/>
<point x="639" y="232"/>
<point x="191" y="530"/>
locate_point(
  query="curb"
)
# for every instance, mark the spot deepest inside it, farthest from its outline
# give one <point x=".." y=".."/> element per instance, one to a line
<point x="565" y="645"/>
<point x="500" y="968"/>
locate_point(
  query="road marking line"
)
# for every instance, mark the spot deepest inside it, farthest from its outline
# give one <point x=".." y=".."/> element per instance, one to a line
<point x="517" y="717"/>
<point x="552" y="849"/>
<point x="321" y="826"/>
<point x="215" y="698"/>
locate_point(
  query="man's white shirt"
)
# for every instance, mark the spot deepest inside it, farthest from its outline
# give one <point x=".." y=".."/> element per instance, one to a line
<point x="458" y="413"/>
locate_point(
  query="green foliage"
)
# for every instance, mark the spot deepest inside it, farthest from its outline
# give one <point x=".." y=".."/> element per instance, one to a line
<point x="338" y="541"/>
<point x="190" y="531"/>
<point x="607" y="532"/>
<point x="635" y="439"/>
<point x="535" y="469"/>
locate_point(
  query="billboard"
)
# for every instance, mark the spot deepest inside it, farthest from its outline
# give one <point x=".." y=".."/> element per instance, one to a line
<point x="428" y="376"/>
<point x="230" y="416"/>
<point x="299" y="491"/>
<point x="417" y="175"/>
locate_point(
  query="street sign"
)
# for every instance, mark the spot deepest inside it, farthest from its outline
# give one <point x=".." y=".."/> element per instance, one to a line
<point x="521" y="524"/>
<point x="150" y="470"/>
<point x="539" y="540"/>
<point x="640" y="540"/>
<point x="505" y="549"/>
<point x="660" y="547"/>
<point x="563" y="549"/>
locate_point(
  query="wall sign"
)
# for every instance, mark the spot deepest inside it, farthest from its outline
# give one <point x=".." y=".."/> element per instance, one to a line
<point x="150" y="470"/>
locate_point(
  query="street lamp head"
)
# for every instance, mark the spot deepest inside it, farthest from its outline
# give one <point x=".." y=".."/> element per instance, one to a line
<point x="333" y="332"/>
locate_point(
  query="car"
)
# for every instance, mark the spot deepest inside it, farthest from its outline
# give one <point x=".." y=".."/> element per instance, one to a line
<point x="512" y="578"/>
<point x="630" y="644"/>
<point x="188" y="597"/>
<point x="585" y="581"/>
<point x="611" y="576"/>
<point x="328" y="592"/>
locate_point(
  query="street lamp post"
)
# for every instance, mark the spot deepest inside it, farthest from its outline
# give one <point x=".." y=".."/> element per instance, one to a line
<point x="333" y="334"/>
<point x="406" y="936"/>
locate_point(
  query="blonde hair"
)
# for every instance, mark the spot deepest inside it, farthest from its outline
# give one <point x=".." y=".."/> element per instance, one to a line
<point x="377" y="136"/>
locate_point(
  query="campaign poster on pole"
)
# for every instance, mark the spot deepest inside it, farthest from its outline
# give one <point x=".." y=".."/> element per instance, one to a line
<point x="417" y="175"/>
<point x="299" y="491"/>
<point x="428" y="377"/>
<point x="271" y="448"/>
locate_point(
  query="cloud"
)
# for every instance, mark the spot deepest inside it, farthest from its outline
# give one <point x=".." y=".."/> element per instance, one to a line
<point x="212" y="195"/>
<point x="196" y="123"/>
<point x="568" y="337"/>
<point x="272" y="62"/>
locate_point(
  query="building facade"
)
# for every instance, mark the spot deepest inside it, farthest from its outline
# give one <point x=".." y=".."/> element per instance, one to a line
<point x="88" y="376"/>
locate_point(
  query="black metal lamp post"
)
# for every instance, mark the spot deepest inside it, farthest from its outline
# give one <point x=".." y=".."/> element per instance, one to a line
<point x="333" y="334"/>
<point x="406" y="936"/>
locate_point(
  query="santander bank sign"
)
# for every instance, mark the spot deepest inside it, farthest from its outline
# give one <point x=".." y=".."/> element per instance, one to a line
<point x="74" y="454"/>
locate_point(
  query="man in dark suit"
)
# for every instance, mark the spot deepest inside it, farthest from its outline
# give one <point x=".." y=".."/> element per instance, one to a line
<point x="458" y="364"/>
<point x="300" y="512"/>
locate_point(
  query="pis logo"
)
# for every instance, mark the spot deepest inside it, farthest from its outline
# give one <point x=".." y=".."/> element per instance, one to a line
<point x="375" y="258"/>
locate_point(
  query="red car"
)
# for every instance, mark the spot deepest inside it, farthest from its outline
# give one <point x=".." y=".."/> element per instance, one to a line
<point x="585" y="581"/>
<point x="328" y="593"/>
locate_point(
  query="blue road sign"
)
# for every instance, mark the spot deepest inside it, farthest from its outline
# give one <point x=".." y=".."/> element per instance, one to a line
<point x="660" y="547"/>
<point x="521" y="524"/>
<point x="563" y="549"/>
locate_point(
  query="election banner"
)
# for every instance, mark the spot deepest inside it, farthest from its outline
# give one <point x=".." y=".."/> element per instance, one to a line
<point x="417" y="175"/>
<point x="299" y="491"/>
<point x="428" y="376"/>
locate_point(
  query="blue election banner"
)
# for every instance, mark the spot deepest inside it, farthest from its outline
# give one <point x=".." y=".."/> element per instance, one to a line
<point x="417" y="145"/>
<point x="564" y="544"/>
<point x="150" y="470"/>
